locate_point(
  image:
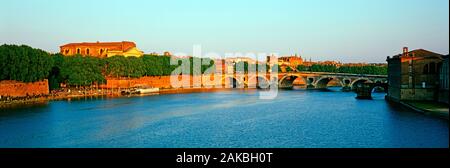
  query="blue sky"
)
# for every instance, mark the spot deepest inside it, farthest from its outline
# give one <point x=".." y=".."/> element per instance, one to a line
<point x="344" y="30"/>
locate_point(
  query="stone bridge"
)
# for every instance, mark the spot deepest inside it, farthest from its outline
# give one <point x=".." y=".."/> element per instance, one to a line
<point x="312" y="80"/>
<point x="364" y="90"/>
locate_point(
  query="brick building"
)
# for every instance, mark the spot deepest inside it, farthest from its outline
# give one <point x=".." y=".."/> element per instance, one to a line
<point x="102" y="49"/>
<point x="414" y="75"/>
<point x="291" y="60"/>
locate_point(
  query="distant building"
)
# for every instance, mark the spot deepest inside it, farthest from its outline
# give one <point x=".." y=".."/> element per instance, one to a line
<point x="102" y="49"/>
<point x="167" y="53"/>
<point x="290" y="60"/>
<point x="361" y="64"/>
<point x="443" y="81"/>
<point x="241" y="59"/>
<point x="271" y="60"/>
<point x="414" y="75"/>
<point x="154" y="54"/>
<point x="332" y="63"/>
<point x="220" y="66"/>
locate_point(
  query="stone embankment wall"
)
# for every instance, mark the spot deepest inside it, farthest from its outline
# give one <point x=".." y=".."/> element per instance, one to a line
<point x="20" y="89"/>
<point x="154" y="81"/>
<point x="163" y="82"/>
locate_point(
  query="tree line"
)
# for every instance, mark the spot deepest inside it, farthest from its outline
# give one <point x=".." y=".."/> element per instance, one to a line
<point x="245" y="67"/>
<point x="26" y="64"/>
<point x="86" y="70"/>
<point x="367" y="69"/>
<point x="23" y="63"/>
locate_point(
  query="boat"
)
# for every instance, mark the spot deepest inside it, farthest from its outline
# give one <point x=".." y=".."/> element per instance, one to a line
<point x="143" y="89"/>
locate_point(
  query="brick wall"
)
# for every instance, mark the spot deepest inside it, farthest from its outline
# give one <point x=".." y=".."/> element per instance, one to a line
<point x="21" y="89"/>
<point x="157" y="81"/>
<point x="154" y="81"/>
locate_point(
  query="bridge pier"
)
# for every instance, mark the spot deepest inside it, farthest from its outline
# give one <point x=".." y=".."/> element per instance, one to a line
<point x="310" y="86"/>
<point x="347" y="88"/>
<point x="364" y="90"/>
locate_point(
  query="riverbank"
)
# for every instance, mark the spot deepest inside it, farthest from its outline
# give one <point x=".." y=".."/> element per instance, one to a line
<point x="77" y="94"/>
<point x="435" y="109"/>
<point x="429" y="108"/>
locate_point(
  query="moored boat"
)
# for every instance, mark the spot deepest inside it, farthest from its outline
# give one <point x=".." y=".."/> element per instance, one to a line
<point x="144" y="89"/>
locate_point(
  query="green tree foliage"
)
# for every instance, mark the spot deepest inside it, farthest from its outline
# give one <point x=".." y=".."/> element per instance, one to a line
<point x="167" y="68"/>
<point x="323" y="68"/>
<point x="149" y="65"/>
<point x="55" y="77"/>
<point x="288" y="69"/>
<point x="303" y="68"/>
<point x="207" y="63"/>
<point x="154" y="65"/>
<point x="241" y="67"/>
<point x="119" y="66"/>
<point x="256" y="68"/>
<point x="369" y="69"/>
<point x="374" y="70"/>
<point x="81" y="70"/>
<point x="245" y="67"/>
<point x="23" y="63"/>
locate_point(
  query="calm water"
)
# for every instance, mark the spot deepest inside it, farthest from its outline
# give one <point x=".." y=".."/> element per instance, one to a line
<point x="297" y="118"/>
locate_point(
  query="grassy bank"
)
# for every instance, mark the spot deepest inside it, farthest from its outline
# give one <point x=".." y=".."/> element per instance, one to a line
<point x="429" y="107"/>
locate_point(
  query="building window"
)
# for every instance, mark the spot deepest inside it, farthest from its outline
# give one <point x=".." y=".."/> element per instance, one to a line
<point x="439" y="68"/>
<point x="78" y="51"/>
<point x="87" y="51"/>
<point x="101" y="51"/>
<point x="425" y="69"/>
<point x="66" y="51"/>
<point x="432" y="68"/>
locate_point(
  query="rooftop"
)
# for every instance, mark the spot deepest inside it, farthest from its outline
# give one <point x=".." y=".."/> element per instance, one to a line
<point x="125" y="45"/>
<point x="420" y="53"/>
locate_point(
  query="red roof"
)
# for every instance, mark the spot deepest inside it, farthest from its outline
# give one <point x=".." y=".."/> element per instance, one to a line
<point x="125" y="45"/>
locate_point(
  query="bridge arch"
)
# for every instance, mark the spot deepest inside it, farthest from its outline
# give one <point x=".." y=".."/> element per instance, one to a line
<point x="287" y="81"/>
<point x="310" y="81"/>
<point x="360" y="80"/>
<point x="346" y="81"/>
<point x="322" y="82"/>
<point x="364" y="90"/>
<point x="258" y="81"/>
<point x="377" y="81"/>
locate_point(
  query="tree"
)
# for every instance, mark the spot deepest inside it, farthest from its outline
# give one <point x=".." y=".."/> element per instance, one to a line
<point x="84" y="71"/>
<point x="23" y="63"/>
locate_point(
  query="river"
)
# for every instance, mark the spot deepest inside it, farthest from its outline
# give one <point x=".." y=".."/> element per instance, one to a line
<point x="234" y="118"/>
